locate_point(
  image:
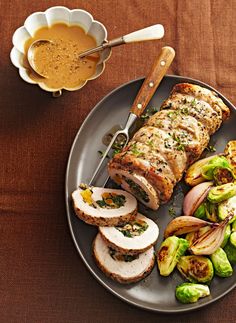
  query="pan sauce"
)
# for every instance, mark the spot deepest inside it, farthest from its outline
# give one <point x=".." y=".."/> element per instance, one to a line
<point x="58" y="61"/>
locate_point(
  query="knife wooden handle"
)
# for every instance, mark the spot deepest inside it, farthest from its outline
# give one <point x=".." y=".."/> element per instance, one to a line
<point x="153" y="79"/>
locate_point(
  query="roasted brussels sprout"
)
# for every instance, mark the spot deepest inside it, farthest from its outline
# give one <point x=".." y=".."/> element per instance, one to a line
<point x="232" y="239"/>
<point x="230" y="251"/>
<point x="216" y="162"/>
<point x="196" y="269"/>
<point x="211" y="212"/>
<point x="190" y="292"/>
<point x="221" y="193"/>
<point x="200" y="212"/>
<point x="223" y="175"/>
<point x="221" y="263"/>
<point x="234" y="226"/>
<point x="226" y="208"/>
<point x="169" y="254"/>
<point x="226" y="236"/>
<point x="230" y="154"/>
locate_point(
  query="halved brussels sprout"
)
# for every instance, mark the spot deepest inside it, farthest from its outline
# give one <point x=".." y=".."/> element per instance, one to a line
<point x="226" y="208"/>
<point x="211" y="212"/>
<point x="221" y="193"/>
<point x="232" y="239"/>
<point x="216" y="162"/>
<point x="169" y="254"/>
<point x="190" y="292"/>
<point x="200" y="212"/>
<point x="196" y="269"/>
<point x="230" y="251"/>
<point x="234" y="226"/>
<point x="223" y="175"/>
<point x="230" y="154"/>
<point x="221" y="263"/>
<point x="226" y="236"/>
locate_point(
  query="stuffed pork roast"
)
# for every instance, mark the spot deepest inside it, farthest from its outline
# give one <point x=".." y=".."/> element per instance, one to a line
<point x="104" y="206"/>
<point x="170" y="141"/>
<point x="121" y="267"/>
<point x="133" y="237"/>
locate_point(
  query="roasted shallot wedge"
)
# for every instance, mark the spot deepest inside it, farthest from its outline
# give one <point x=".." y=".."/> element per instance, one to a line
<point x="185" y="224"/>
<point x="211" y="240"/>
<point x="195" y="197"/>
<point x="133" y="237"/>
<point x="122" y="268"/>
<point x="104" y="206"/>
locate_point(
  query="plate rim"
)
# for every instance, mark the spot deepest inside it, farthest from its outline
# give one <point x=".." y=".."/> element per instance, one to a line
<point x="82" y="126"/>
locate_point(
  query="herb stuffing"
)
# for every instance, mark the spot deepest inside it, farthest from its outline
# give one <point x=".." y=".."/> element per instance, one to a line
<point x="111" y="201"/>
<point x="134" y="228"/>
<point x="120" y="257"/>
<point x="137" y="190"/>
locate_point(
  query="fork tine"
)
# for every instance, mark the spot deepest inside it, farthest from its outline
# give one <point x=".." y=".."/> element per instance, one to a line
<point x="106" y="153"/>
<point x="107" y="179"/>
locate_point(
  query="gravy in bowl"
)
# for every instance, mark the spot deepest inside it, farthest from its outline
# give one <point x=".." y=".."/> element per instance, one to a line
<point x="59" y="60"/>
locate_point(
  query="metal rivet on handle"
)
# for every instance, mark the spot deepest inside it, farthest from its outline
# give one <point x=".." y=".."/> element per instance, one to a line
<point x="162" y="63"/>
<point x="151" y="84"/>
<point x="139" y="106"/>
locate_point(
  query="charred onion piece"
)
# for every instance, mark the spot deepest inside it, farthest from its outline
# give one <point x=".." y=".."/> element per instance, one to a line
<point x="195" y="197"/>
<point x="185" y="224"/>
<point x="211" y="240"/>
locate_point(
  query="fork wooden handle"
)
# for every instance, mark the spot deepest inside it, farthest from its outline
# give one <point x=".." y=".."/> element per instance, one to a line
<point x="153" y="79"/>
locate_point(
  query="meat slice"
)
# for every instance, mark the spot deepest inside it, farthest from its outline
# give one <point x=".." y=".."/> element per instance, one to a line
<point x="189" y="133"/>
<point x="132" y="238"/>
<point x="122" y="268"/>
<point x="104" y="206"/>
<point x="169" y="142"/>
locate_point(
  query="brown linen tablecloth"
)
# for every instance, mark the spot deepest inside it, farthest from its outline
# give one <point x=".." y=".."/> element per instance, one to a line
<point x="42" y="278"/>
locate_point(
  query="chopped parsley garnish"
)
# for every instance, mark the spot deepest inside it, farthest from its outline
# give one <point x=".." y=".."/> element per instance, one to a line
<point x="172" y="212"/>
<point x="150" y="143"/>
<point x="210" y="148"/>
<point x="151" y="111"/>
<point x="193" y="102"/>
<point x="180" y="144"/>
<point x="172" y="114"/>
<point x="135" y="151"/>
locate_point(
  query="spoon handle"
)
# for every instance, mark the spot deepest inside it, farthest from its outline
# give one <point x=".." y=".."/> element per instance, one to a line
<point x="148" y="33"/>
<point x="153" y="79"/>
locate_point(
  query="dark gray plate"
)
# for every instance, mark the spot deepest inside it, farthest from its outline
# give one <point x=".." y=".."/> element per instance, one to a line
<point x="154" y="293"/>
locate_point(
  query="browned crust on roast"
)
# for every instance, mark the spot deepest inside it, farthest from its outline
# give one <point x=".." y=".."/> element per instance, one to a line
<point x="119" y="278"/>
<point x="105" y="221"/>
<point x="213" y="99"/>
<point x="123" y="250"/>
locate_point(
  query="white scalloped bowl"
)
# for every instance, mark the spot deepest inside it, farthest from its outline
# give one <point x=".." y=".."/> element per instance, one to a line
<point x="49" y="17"/>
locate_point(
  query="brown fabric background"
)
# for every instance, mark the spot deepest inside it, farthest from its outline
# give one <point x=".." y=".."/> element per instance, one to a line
<point x="42" y="278"/>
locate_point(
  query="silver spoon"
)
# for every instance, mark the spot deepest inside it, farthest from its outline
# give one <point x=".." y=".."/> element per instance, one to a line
<point x="148" y="33"/>
<point x="31" y="52"/>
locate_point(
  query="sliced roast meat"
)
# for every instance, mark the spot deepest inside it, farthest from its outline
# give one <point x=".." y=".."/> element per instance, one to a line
<point x="104" y="206"/>
<point x="122" y="268"/>
<point x="133" y="237"/>
<point x="136" y="185"/>
<point x="171" y="140"/>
